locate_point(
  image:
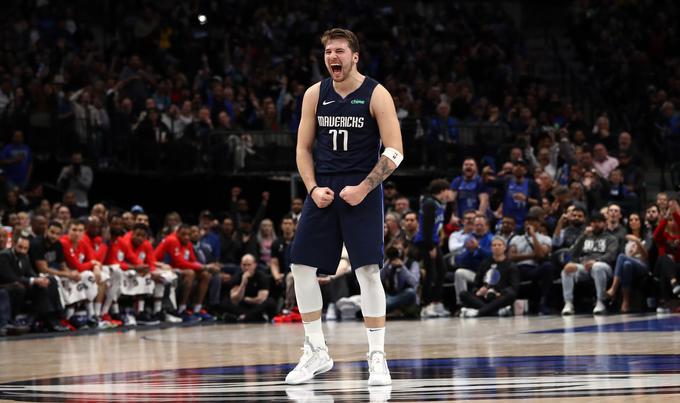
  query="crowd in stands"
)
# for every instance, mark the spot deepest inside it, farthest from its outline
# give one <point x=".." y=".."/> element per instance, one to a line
<point x="546" y="199"/>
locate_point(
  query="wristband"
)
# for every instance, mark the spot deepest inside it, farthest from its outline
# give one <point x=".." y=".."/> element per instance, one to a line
<point x="312" y="191"/>
<point x="394" y="155"/>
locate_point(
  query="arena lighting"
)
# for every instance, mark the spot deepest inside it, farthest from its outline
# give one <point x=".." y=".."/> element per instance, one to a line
<point x="202" y="19"/>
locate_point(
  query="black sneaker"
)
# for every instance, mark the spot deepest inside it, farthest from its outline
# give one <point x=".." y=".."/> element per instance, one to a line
<point x="145" y="319"/>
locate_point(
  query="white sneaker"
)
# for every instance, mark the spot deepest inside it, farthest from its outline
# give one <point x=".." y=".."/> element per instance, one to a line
<point x="330" y="312"/>
<point x="676" y="290"/>
<point x="130" y="320"/>
<point x="505" y="311"/>
<point x="348" y="308"/>
<point x="379" y="374"/>
<point x="429" y="312"/>
<point x="600" y="308"/>
<point x="662" y="310"/>
<point x="568" y="309"/>
<point x="469" y="313"/>
<point x="314" y="361"/>
<point x="171" y="318"/>
<point x="441" y="311"/>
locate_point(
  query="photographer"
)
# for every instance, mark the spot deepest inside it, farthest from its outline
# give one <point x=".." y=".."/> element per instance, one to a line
<point x="77" y="178"/>
<point x="400" y="278"/>
<point x="497" y="283"/>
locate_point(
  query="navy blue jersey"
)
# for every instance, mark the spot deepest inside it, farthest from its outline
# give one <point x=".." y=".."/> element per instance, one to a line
<point x="347" y="136"/>
<point x="431" y="221"/>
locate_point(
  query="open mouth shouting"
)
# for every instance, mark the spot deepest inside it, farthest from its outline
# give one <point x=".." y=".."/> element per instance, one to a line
<point x="336" y="69"/>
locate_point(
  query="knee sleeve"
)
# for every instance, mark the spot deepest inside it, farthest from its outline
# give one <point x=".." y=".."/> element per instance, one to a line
<point x="307" y="290"/>
<point x="373" y="303"/>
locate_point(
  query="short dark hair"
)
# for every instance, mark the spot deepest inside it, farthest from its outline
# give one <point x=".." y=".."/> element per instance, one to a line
<point x="140" y="226"/>
<point x="55" y="223"/>
<point x="78" y="221"/>
<point x="341" y="33"/>
<point x="437" y="186"/>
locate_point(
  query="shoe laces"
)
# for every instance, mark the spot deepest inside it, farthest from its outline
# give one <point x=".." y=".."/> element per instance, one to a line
<point x="308" y="355"/>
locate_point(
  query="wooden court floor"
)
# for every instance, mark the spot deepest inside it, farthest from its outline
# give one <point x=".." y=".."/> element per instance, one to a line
<point x="583" y="358"/>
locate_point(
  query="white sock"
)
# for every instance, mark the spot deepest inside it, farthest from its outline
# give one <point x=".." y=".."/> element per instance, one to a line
<point x="114" y="308"/>
<point x="182" y="307"/>
<point x="98" y="308"/>
<point x="70" y="311"/>
<point x="89" y="307"/>
<point x="197" y="308"/>
<point x="157" y="305"/>
<point x="376" y="339"/>
<point x="314" y="333"/>
<point x="140" y="306"/>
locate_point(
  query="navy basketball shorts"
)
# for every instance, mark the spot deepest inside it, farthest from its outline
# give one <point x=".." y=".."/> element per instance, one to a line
<point x="321" y="232"/>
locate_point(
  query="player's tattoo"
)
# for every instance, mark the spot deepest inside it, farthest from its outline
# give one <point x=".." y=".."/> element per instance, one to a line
<point x="380" y="172"/>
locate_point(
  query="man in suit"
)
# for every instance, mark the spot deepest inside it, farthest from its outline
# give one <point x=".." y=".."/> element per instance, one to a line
<point x="23" y="284"/>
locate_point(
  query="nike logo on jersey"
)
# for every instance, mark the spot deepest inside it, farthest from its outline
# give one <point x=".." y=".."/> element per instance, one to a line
<point x="327" y="102"/>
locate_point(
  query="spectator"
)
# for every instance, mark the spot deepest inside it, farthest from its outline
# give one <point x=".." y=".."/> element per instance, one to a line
<point x="457" y="239"/>
<point x="22" y="284"/>
<point x="230" y="245"/>
<point x="441" y="135"/>
<point x="667" y="240"/>
<point x="402" y="205"/>
<point x="296" y="208"/>
<point x="602" y="162"/>
<point x="630" y="265"/>
<point x="400" y="277"/>
<point x="593" y="255"/>
<point x="520" y="194"/>
<point x="469" y="192"/>
<point x="393" y="228"/>
<point x="410" y="226"/>
<point x="496" y="285"/>
<point x="477" y="248"/>
<point x="248" y="298"/>
<point x="265" y="239"/>
<point x="17" y="161"/>
<point x="531" y="253"/>
<point x="614" y="225"/>
<point x="569" y="228"/>
<point x="77" y="178"/>
<point x="507" y="229"/>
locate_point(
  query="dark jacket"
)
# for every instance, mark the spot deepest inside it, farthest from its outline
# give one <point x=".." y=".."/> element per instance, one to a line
<point x="509" y="275"/>
<point x="15" y="268"/>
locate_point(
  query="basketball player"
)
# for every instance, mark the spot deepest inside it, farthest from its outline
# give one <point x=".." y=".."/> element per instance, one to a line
<point x="348" y="115"/>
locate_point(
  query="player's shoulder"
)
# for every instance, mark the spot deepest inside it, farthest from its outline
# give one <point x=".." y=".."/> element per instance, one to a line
<point x="313" y="91"/>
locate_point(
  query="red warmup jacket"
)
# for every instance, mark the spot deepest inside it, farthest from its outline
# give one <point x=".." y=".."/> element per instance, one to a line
<point x="97" y="245"/>
<point x="144" y="252"/>
<point x="181" y="256"/>
<point x="120" y="254"/>
<point x="668" y="244"/>
<point x="78" y="257"/>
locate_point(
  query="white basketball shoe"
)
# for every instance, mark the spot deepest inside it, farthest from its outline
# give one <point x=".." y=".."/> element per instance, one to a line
<point x="379" y="374"/>
<point x="314" y="361"/>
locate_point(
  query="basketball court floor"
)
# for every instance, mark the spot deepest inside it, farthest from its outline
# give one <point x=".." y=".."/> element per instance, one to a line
<point x="548" y="359"/>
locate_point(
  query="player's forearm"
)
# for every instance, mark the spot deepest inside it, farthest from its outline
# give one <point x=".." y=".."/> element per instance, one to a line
<point x="380" y="172"/>
<point x="305" y="163"/>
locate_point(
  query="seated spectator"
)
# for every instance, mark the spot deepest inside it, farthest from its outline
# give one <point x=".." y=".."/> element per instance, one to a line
<point x="630" y="265"/>
<point x="400" y="277"/>
<point x="531" y="253"/>
<point x="602" y="162"/>
<point x="93" y="238"/>
<point x="614" y="225"/>
<point x="402" y="205"/>
<point x="477" y="249"/>
<point x="248" y="298"/>
<point x="410" y="226"/>
<point x="520" y="193"/>
<point x="230" y="245"/>
<point x="569" y="228"/>
<point x="593" y="255"/>
<point x="496" y="285"/>
<point x="507" y="229"/>
<point x="179" y="251"/>
<point x="22" y="284"/>
<point x="457" y="239"/>
<point x="392" y="227"/>
<point x="667" y="240"/>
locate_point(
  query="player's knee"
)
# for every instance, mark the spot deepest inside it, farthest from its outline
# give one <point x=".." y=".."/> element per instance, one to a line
<point x="188" y="275"/>
<point x="569" y="268"/>
<point x="369" y="275"/>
